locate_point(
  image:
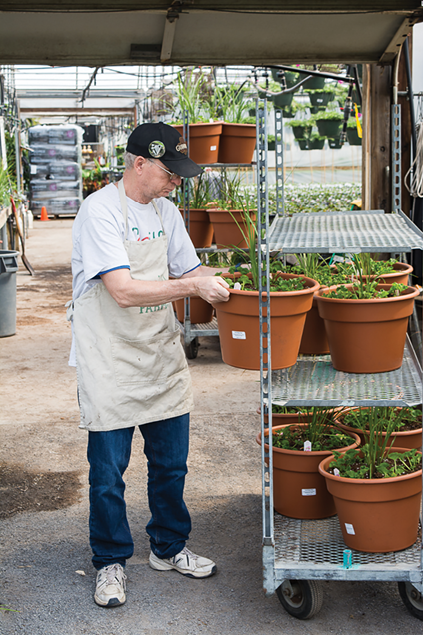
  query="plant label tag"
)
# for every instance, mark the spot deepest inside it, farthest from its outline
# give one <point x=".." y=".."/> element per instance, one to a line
<point x="308" y="492"/>
<point x="33" y="169"/>
<point x="213" y="148"/>
<point x="307" y="446"/>
<point x="336" y="471"/>
<point x="237" y="286"/>
<point x="349" y="529"/>
<point x="239" y="335"/>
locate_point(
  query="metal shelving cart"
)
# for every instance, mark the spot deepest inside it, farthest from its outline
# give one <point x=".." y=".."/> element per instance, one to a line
<point x="297" y="554"/>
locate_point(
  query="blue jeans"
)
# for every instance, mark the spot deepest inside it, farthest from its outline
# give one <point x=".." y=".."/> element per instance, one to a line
<point x="166" y="449"/>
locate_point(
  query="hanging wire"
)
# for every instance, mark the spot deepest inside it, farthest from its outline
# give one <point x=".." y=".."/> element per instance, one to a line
<point x="415" y="174"/>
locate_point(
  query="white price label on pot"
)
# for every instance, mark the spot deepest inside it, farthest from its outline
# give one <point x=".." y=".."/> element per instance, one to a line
<point x="336" y="471"/>
<point x="307" y="446"/>
<point x="237" y="286"/>
<point x="308" y="492"/>
<point x="213" y="148"/>
<point x="239" y="335"/>
<point x="349" y="529"/>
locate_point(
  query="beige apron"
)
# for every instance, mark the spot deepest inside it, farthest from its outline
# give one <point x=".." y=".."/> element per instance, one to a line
<point x="131" y="366"/>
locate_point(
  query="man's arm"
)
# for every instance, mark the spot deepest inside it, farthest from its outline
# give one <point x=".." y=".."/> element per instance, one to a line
<point x="129" y="292"/>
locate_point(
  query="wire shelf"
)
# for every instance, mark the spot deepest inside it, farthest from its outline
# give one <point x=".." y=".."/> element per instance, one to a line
<point x="313" y="381"/>
<point x="318" y="544"/>
<point x="345" y="232"/>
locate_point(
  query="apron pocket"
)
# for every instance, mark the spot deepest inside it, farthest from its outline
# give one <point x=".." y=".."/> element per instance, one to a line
<point x="147" y="361"/>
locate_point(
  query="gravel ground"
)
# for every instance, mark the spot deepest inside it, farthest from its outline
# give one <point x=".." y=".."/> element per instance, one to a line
<point x="46" y="571"/>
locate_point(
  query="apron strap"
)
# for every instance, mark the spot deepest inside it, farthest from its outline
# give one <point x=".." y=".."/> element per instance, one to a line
<point x="124" y="206"/>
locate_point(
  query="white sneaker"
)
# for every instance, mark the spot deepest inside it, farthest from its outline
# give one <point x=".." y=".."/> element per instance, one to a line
<point x="186" y="563"/>
<point x="110" y="586"/>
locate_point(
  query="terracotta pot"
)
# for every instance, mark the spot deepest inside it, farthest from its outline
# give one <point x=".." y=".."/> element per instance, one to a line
<point x="279" y="419"/>
<point x="226" y="230"/>
<point x="299" y="491"/>
<point x="366" y="336"/>
<point x="239" y="331"/>
<point x="402" y="439"/>
<point x="201" y="311"/>
<point x="314" y="340"/>
<point x="237" y="143"/>
<point x="204" y="139"/>
<point x="402" y="271"/>
<point x="376" y="515"/>
<point x="200" y="227"/>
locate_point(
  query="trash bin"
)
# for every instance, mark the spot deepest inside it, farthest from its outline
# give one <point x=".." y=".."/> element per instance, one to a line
<point x="8" y="269"/>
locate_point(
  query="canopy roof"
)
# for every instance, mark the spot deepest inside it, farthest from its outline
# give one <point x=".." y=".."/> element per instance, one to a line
<point x="218" y="32"/>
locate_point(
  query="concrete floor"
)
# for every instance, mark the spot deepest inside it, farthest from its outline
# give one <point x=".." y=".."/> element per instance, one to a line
<point x="46" y="573"/>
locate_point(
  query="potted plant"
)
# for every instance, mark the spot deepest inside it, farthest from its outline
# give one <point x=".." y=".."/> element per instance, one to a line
<point x="291" y="78"/>
<point x="238" y="319"/>
<point x="230" y="213"/>
<point x="282" y="415"/>
<point x="271" y="142"/>
<point x="320" y="97"/>
<point x="352" y="134"/>
<point x="329" y="123"/>
<point x="366" y="322"/>
<point x="406" y="431"/>
<point x="316" y="142"/>
<point x="299" y="490"/>
<point x="238" y="138"/>
<point x="377" y="492"/>
<point x="301" y="128"/>
<point x="204" y="135"/>
<point x="335" y="144"/>
<point x="314" y="340"/>
<point x="304" y="144"/>
<point x="200" y="227"/>
<point x="386" y="271"/>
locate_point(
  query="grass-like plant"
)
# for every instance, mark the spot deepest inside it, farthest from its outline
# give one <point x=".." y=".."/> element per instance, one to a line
<point x="374" y="459"/>
<point x="317" y="429"/>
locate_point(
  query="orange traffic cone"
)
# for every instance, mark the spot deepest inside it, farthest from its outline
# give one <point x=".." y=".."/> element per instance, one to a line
<point x="44" y="215"/>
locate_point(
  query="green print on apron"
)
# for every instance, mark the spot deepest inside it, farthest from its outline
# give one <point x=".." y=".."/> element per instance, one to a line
<point x="131" y="366"/>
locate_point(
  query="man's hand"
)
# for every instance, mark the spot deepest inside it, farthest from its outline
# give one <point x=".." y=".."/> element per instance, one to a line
<point x="212" y="289"/>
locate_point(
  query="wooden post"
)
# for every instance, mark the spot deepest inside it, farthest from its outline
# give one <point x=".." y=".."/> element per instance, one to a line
<point x="376" y="146"/>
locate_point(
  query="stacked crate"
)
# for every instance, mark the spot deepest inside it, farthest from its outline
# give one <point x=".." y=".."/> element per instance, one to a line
<point x="56" y="178"/>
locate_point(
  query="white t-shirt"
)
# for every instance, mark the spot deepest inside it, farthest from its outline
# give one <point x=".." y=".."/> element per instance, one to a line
<point x="98" y="235"/>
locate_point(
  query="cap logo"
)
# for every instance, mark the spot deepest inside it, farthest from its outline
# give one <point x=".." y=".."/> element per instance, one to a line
<point x="157" y="149"/>
<point x="182" y="146"/>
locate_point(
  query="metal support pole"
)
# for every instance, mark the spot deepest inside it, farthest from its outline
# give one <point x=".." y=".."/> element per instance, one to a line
<point x="186" y="188"/>
<point x="396" y="156"/>
<point x="265" y="349"/>
<point x="280" y="194"/>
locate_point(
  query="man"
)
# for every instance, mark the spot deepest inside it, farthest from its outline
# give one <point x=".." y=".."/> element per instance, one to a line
<point x="131" y="369"/>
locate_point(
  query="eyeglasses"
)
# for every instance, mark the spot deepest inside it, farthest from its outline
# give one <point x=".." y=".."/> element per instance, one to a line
<point x="172" y="175"/>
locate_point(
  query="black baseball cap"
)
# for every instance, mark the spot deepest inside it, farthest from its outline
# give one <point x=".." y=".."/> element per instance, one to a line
<point x="160" y="141"/>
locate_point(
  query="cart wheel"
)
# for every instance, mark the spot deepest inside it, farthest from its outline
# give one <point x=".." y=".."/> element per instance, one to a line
<point x="412" y="599"/>
<point x="301" y="598"/>
<point x="191" y="349"/>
